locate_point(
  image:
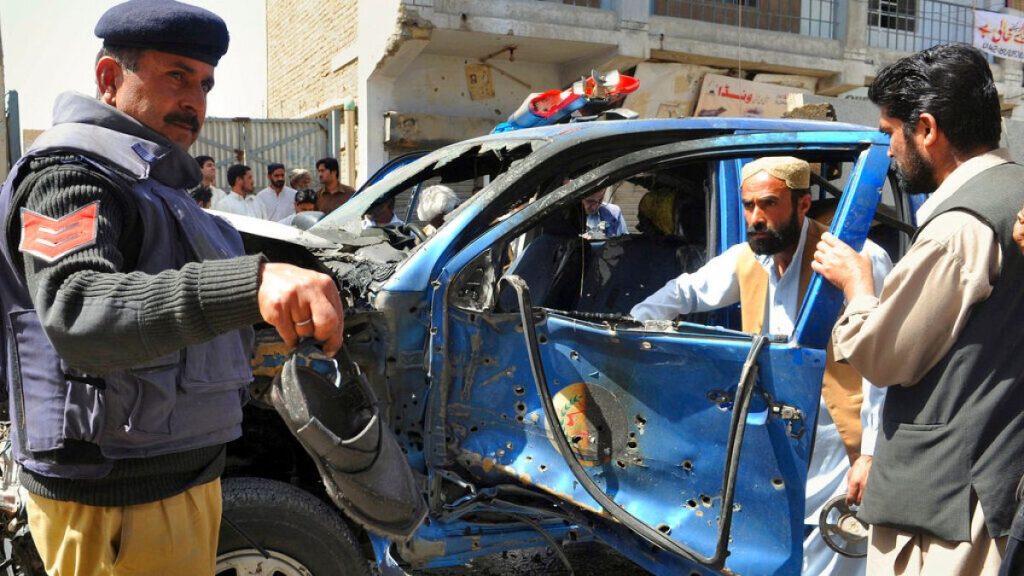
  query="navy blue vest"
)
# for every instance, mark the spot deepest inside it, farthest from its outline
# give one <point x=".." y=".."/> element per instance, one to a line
<point x="185" y="400"/>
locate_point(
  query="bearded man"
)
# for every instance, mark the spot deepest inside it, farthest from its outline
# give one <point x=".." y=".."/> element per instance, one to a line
<point x="768" y="276"/>
<point x="945" y="334"/>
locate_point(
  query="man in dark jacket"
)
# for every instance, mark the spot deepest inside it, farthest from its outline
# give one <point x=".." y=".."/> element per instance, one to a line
<point x="128" y="309"/>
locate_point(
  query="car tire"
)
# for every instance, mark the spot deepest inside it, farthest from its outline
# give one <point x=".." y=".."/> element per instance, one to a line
<point x="301" y="534"/>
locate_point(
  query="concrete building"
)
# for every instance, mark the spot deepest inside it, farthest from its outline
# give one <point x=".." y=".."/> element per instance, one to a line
<point x="427" y="72"/>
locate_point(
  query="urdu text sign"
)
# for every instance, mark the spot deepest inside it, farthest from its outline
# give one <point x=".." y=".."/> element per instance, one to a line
<point x="999" y="34"/>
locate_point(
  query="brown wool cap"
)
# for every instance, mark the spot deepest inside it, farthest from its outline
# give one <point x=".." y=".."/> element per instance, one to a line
<point x="795" y="172"/>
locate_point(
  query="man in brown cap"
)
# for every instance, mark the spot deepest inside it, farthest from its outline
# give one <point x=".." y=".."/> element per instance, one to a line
<point x="768" y="275"/>
<point x="130" y="309"/>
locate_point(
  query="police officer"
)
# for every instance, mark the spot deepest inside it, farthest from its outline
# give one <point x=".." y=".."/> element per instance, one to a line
<point x="128" y="309"/>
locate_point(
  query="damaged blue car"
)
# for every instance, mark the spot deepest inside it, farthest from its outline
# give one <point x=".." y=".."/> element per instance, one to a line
<point x="494" y="393"/>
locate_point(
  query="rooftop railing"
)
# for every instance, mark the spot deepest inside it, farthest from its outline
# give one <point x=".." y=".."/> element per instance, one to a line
<point x="912" y="25"/>
<point x="817" y="18"/>
<point x="900" y="25"/>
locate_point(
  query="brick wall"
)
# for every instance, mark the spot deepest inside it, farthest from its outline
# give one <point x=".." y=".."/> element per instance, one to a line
<point x="303" y="36"/>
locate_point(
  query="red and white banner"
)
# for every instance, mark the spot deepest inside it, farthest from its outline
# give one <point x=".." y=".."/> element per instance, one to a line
<point x="999" y="34"/>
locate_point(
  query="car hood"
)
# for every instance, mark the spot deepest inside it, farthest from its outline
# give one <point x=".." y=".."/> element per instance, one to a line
<point x="359" y="264"/>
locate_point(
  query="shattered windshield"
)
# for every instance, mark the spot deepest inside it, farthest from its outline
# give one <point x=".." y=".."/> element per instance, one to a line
<point x="465" y="168"/>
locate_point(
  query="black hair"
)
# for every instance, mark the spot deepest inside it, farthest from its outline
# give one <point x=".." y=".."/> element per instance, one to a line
<point x="328" y="163"/>
<point x="235" y="172"/>
<point x="953" y="83"/>
<point x="203" y="160"/>
<point x="126" y="56"/>
<point x="306" y="195"/>
<point x="274" y="166"/>
<point x="201" y="194"/>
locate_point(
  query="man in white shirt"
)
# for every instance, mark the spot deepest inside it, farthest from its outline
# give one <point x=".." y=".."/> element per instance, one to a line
<point x="382" y="215"/>
<point x="241" y="199"/>
<point x="769" y="275"/>
<point x="278" y="199"/>
<point x="604" y="219"/>
<point x="208" y="167"/>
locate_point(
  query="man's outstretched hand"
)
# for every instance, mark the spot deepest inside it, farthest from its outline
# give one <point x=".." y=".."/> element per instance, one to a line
<point x="301" y="303"/>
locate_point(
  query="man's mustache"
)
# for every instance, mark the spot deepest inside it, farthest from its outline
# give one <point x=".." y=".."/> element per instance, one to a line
<point x="190" y="120"/>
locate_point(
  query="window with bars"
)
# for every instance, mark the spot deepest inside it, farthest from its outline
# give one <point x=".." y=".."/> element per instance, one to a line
<point x="893" y="14"/>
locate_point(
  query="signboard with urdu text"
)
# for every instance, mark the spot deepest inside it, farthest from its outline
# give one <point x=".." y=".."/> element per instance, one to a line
<point x="1001" y="35"/>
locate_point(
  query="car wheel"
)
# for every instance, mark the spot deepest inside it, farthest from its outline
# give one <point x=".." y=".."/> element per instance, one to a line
<point x="301" y="534"/>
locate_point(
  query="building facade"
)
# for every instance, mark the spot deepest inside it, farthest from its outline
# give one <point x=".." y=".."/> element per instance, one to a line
<point x="423" y="73"/>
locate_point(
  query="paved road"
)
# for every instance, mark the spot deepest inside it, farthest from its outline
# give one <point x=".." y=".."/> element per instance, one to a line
<point x="587" y="559"/>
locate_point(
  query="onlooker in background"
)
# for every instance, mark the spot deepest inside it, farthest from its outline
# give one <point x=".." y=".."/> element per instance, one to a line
<point x="305" y="201"/>
<point x="604" y="220"/>
<point x="434" y="204"/>
<point x="208" y="167"/>
<point x="299" y="178"/>
<point x="278" y="199"/>
<point x="332" y="192"/>
<point x="382" y="215"/>
<point x="945" y="334"/>
<point x="241" y="200"/>
<point x="202" y="195"/>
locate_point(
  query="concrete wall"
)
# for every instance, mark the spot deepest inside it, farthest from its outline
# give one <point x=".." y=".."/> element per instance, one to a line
<point x="4" y="145"/>
<point x="436" y="84"/>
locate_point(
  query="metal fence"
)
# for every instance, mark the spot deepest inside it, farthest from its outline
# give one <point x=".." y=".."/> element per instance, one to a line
<point x="258" y="142"/>
<point x="817" y="18"/>
<point x="912" y="25"/>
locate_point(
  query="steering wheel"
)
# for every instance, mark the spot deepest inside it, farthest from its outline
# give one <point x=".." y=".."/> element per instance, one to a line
<point x="404" y="236"/>
<point x="417" y="231"/>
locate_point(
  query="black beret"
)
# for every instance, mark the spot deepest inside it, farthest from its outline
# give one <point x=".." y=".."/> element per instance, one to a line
<point x="167" y="26"/>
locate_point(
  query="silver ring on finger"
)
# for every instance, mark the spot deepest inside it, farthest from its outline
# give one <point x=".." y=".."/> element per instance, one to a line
<point x="305" y="322"/>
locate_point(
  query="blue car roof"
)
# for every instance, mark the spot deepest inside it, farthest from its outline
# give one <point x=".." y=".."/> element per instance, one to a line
<point x="588" y="130"/>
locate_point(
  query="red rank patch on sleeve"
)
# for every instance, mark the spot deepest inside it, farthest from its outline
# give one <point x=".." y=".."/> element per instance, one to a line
<point x="49" y="239"/>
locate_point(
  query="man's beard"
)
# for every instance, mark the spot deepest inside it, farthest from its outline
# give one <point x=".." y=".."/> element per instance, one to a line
<point x="915" y="174"/>
<point x="277" y="183"/>
<point x="778" y="239"/>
